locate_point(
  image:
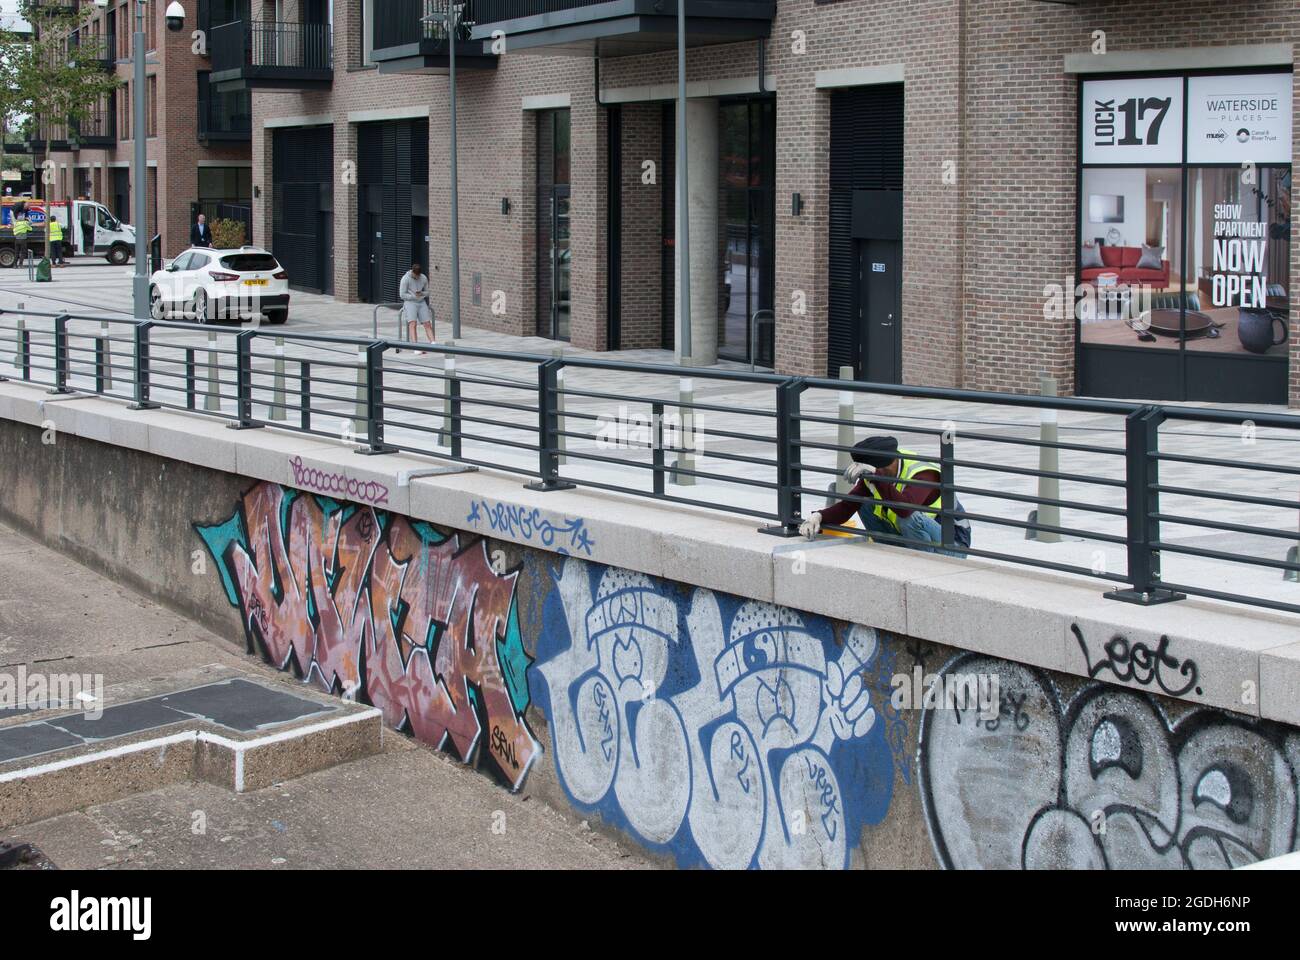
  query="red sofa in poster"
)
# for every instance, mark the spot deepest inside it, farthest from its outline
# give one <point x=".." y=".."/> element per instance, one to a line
<point x="1122" y="261"/>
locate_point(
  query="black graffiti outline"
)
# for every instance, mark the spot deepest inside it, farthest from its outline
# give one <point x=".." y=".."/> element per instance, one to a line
<point x="1126" y="660"/>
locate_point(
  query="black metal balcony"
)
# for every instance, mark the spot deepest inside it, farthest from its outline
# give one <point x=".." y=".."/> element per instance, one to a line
<point x="57" y="137"/>
<point x="225" y="116"/>
<point x="402" y="42"/>
<point x="249" y="54"/>
<point x="618" y="28"/>
<point x="97" y="130"/>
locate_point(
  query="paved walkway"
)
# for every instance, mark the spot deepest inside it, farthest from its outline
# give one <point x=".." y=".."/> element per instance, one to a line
<point x="738" y="445"/>
<point x="404" y="807"/>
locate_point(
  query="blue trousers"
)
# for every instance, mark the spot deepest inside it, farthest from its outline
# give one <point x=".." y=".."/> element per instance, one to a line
<point x="920" y="526"/>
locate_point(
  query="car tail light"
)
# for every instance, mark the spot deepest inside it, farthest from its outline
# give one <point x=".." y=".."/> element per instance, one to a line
<point x="223" y="276"/>
<point x="280" y="275"/>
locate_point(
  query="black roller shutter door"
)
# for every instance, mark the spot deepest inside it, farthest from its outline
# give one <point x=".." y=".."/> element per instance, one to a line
<point x="302" y="200"/>
<point x="866" y="154"/>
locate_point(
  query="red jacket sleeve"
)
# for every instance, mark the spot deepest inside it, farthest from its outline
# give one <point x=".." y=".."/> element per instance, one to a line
<point x="838" y="513"/>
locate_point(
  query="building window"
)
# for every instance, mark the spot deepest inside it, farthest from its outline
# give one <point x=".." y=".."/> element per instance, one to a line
<point x="1184" y="236"/>
<point x="153" y="106"/>
<point x="745" y="211"/>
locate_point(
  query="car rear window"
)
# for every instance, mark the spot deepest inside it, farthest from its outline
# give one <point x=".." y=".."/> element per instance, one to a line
<point x="249" y="261"/>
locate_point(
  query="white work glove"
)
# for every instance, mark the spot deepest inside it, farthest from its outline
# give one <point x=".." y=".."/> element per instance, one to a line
<point x="856" y="471"/>
<point x="811" y="527"/>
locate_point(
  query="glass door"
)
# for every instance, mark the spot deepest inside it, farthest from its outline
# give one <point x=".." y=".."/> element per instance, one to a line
<point x="554" y="251"/>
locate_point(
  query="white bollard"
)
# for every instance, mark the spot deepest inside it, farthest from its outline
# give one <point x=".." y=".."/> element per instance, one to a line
<point x="448" y="372"/>
<point x="108" y="355"/>
<point x="1292" y="556"/>
<point x="845" y="433"/>
<point x="1049" y="488"/>
<point x="686" y="434"/>
<point x="278" y="400"/>
<point x="558" y="352"/>
<point x="213" y="399"/>
<point x="360" y="417"/>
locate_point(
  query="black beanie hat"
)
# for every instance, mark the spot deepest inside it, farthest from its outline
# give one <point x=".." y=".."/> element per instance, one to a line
<point x="877" y="451"/>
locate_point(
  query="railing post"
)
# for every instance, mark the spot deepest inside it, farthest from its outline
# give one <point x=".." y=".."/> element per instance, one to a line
<point x="244" y="381"/>
<point x="789" y="473"/>
<point x="375" y="401"/>
<point x="1142" y="471"/>
<point x="548" y="428"/>
<point x="60" y="355"/>
<point x="141" y="366"/>
<point x="190" y="379"/>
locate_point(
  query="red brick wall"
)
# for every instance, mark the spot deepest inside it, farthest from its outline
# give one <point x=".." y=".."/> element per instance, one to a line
<point x="985" y="92"/>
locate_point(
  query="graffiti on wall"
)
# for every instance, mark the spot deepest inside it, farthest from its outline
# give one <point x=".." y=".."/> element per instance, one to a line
<point x="1102" y="781"/>
<point x="730" y="733"/>
<point x="385" y="609"/>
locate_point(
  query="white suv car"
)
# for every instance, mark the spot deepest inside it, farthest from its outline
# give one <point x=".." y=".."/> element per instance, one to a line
<point x="208" y="284"/>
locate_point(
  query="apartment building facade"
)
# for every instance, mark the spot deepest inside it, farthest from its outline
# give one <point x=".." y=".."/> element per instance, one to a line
<point x="198" y="138"/>
<point x="943" y="192"/>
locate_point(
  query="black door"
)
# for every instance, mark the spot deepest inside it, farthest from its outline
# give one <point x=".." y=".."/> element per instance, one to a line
<point x="866" y="230"/>
<point x="393" y="178"/>
<point x="302" y="204"/>
<point x="879" y="311"/>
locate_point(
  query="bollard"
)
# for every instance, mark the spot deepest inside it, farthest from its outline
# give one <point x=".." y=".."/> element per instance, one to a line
<point x="107" y="371"/>
<point x="212" y="399"/>
<point x="845" y="439"/>
<point x="278" y="399"/>
<point x="558" y="354"/>
<point x="686" y="457"/>
<point x="360" y="416"/>
<point x="1049" y="488"/>
<point x="1292" y="556"/>
<point x="448" y="372"/>
<point x="20" y="358"/>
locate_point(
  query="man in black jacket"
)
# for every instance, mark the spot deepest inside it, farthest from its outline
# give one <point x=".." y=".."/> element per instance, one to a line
<point x="201" y="233"/>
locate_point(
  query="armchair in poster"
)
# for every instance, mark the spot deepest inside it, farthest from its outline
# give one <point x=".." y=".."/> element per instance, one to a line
<point x="1185" y="211"/>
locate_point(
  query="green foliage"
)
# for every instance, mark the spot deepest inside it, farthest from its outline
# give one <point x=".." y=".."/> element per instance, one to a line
<point x="227" y="234"/>
<point x="57" y="74"/>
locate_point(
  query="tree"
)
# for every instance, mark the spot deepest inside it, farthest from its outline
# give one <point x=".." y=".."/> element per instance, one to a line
<point x="59" y="74"/>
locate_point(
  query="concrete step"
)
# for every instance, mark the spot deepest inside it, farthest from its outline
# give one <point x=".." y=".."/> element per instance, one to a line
<point x="242" y="732"/>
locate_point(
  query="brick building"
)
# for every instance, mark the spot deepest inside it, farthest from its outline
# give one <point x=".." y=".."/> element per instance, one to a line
<point x="943" y="192"/>
<point x="198" y="139"/>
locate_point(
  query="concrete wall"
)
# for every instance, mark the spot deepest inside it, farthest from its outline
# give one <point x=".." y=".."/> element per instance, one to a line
<point x="714" y="729"/>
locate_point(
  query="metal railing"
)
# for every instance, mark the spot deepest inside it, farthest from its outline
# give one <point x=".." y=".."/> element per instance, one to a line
<point x="400" y="22"/>
<point x="242" y="44"/>
<point x="1114" y="496"/>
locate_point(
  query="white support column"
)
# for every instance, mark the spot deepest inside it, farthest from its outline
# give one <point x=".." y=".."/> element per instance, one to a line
<point x="702" y="165"/>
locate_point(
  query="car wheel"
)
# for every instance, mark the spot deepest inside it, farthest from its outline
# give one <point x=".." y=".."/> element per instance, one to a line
<point x="157" y="309"/>
<point x="198" y="309"/>
<point x="8" y="256"/>
<point x="277" y="316"/>
<point x="118" y="256"/>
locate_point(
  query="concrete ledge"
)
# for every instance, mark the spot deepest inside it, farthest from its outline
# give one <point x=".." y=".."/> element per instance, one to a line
<point x="1235" y="658"/>
<point x="1186" y="58"/>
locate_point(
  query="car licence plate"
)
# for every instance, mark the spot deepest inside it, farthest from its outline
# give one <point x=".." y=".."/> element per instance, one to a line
<point x="254" y="283"/>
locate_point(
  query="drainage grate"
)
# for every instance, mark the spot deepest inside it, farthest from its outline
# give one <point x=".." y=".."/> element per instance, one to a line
<point x="234" y="704"/>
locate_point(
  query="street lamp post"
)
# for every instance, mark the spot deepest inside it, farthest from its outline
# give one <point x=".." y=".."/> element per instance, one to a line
<point x="452" y="19"/>
<point x="175" y="15"/>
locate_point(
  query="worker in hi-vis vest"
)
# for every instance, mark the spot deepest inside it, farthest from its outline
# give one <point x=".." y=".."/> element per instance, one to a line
<point x="896" y="485"/>
<point x="22" y="230"/>
<point x="54" y="234"/>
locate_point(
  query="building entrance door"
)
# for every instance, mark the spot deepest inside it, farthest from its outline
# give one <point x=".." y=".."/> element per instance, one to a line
<point x="879" y="311"/>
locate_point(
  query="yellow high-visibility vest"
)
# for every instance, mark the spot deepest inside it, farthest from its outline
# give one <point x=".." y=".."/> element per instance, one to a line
<point x="22" y="228"/>
<point x="907" y="470"/>
<point x="56" y="229"/>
